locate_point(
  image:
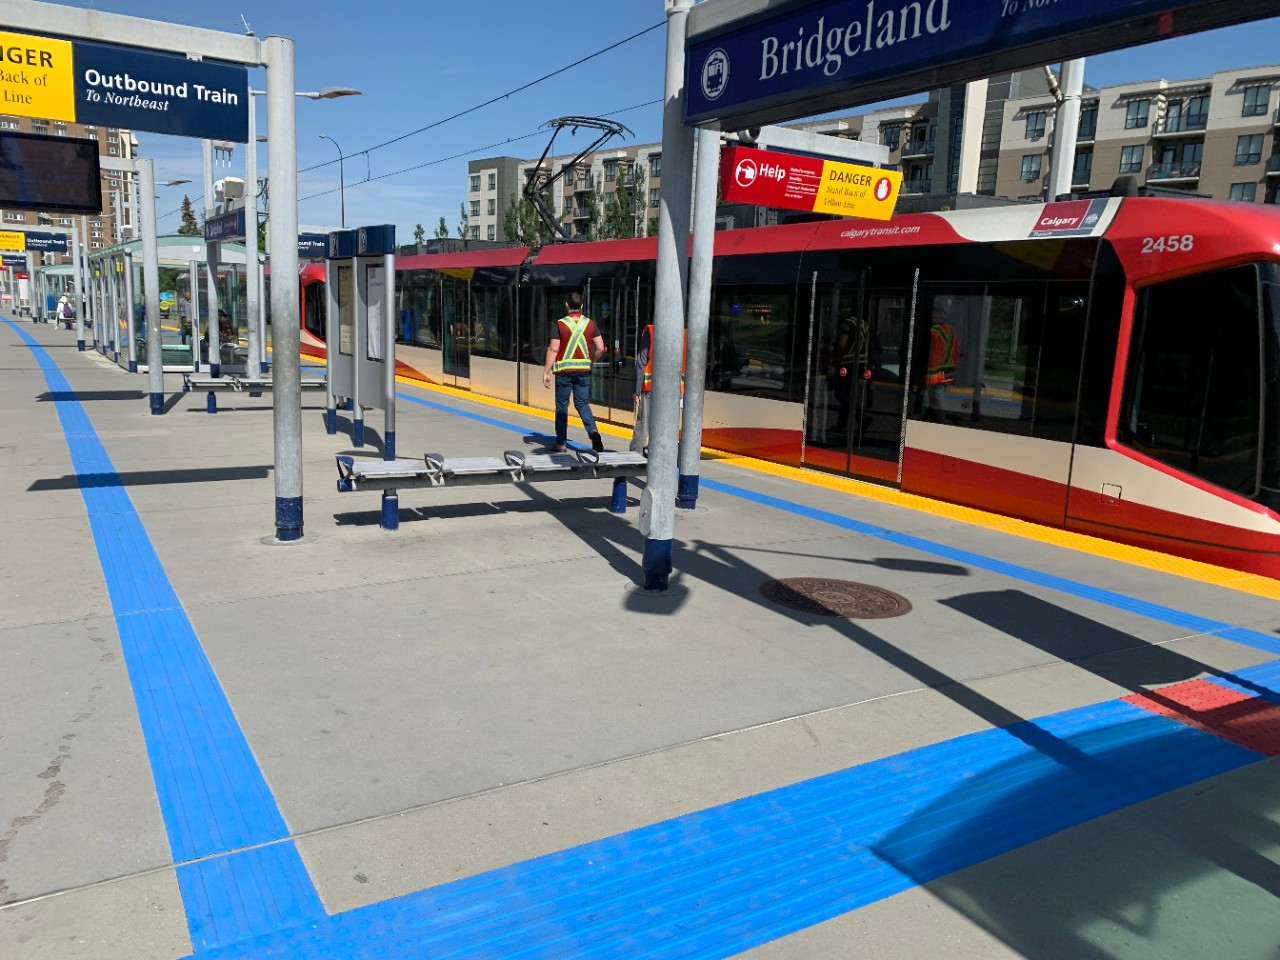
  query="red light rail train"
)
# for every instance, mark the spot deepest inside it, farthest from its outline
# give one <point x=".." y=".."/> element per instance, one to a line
<point x="1110" y="366"/>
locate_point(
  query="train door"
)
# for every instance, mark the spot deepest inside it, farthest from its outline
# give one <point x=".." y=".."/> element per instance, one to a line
<point x="854" y="407"/>
<point x="456" y="332"/>
<point x="613" y="305"/>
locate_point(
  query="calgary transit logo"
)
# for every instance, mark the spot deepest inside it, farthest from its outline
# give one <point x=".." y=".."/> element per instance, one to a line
<point x="715" y="74"/>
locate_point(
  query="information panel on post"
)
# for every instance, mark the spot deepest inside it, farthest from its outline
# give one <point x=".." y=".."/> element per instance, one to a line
<point x="783" y="60"/>
<point x="789" y="181"/>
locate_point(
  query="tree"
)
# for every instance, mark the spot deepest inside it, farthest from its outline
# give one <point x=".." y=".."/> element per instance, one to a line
<point x="419" y="235"/>
<point x="624" y="210"/>
<point x="190" y="226"/>
<point x="521" y="224"/>
<point x="442" y="230"/>
<point x="463" y="221"/>
<point x="594" y="210"/>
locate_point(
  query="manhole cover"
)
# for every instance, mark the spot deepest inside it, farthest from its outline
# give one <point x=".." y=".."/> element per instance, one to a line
<point x="836" y="598"/>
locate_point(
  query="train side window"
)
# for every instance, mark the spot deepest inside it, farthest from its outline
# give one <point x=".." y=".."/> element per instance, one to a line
<point x="1193" y="383"/>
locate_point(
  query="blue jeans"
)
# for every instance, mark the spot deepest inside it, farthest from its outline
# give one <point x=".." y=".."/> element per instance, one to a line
<point x="579" y="385"/>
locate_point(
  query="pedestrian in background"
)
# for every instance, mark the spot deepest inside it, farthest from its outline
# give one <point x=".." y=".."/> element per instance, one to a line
<point x="575" y="344"/>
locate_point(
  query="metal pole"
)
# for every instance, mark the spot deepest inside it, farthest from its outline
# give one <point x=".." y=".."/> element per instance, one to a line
<point x="360" y="287"/>
<point x="151" y="282"/>
<point x="706" y="184"/>
<point x="657" y="509"/>
<point x="211" y="261"/>
<point x="128" y="305"/>
<point x="113" y="291"/>
<point x="75" y="283"/>
<point x="330" y="328"/>
<point x="86" y="289"/>
<point x="282" y="166"/>
<point x="251" y="290"/>
<point x="1066" y="129"/>
<point x="389" y="355"/>
<point x="193" y="313"/>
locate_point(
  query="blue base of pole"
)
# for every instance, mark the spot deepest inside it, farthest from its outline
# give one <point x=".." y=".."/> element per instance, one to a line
<point x="390" y="510"/>
<point x="619" y="502"/>
<point x="351" y="405"/>
<point x="656" y="564"/>
<point x="389" y="446"/>
<point x="687" y="492"/>
<point x="214" y="370"/>
<point x="288" y="518"/>
<point x="331" y="421"/>
<point x="115" y="356"/>
<point x="95" y="343"/>
<point x="133" y="366"/>
<point x="80" y="345"/>
<point x="157" y="404"/>
<point x="357" y="433"/>
<point x="263" y="366"/>
<point x="211" y="403"/>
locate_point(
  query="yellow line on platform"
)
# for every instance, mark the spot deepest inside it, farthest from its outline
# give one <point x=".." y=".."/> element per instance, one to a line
<point x="1052" y="536"/>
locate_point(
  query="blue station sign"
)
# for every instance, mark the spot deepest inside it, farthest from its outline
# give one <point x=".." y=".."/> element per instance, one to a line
<point x="226" y="226"/>
<point x="796" y="59"/>
<point x="47" y="242"/>
<point x="313" y="246"/>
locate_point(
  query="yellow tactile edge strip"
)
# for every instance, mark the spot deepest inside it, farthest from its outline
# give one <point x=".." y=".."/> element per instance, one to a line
<point x="1083" y="543"/>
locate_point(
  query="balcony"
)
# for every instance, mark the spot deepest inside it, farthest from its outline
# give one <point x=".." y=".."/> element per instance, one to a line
<point x="1273" y="165"/>
<point x="1180" y="126"/>
<point x="919" y="148"/>
<point x="1174" y="171"/>
<point x="917" y="186"/>
<point x="581" y="213"/>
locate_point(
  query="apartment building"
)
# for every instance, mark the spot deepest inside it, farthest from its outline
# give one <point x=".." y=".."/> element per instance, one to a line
<point x="1214" y="136"/>
<point x="113" y="224"/>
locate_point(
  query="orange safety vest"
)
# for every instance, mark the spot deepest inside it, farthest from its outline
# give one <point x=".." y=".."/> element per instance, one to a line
<point x="648" y="364"/>
<point x="943" y="356"/>
<point x="575" y="351"/>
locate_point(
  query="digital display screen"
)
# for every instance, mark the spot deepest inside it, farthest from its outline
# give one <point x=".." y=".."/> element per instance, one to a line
<point x="59" y="174"/>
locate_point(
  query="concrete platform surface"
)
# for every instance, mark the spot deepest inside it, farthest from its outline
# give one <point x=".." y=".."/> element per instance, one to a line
<point x="476" y="737"/>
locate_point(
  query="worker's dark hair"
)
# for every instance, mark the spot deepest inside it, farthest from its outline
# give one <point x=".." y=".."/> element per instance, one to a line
<point x="573" y="301"/>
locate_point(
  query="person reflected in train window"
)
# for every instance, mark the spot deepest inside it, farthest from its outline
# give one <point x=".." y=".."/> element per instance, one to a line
<point x="575" y="344"/>
<point x="184" y="316"/>
<point x="944" y="359"/>
<point x="850" y="374"/>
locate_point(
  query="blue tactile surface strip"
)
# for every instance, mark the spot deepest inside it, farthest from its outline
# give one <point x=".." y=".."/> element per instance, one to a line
<point x="212" y="795"/>
<point x="707" y="885"/>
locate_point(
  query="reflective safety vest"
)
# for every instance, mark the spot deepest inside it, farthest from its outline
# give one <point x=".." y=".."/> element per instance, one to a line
<point x="855" y="351"/>
<point x="575" y="351"/>
<point x="943" y="357"/>
<point x="648" y="363"/>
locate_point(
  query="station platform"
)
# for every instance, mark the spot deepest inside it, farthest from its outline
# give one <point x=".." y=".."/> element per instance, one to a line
<point x="475" y="736"/>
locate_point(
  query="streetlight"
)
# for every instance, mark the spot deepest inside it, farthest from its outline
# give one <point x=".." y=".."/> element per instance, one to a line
<point x="342" y="183"/>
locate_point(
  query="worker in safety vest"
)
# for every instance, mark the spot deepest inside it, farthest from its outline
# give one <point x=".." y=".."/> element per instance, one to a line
<point x="575" y="344"/>
<point x="850" y="370"/>
<point x="644" y="387"/>
<point x="944" y="359"/>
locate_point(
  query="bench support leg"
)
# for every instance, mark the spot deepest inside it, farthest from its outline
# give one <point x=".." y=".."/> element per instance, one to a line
<point x="331" y="421"/>
<point x="619" y="502"/>
<point x="687" y="492"/>
<point x="390" y="510"/>
<point x="211" y="404"/>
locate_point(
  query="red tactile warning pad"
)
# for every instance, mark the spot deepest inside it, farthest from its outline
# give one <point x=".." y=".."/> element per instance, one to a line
<point x="1246" y="721"/>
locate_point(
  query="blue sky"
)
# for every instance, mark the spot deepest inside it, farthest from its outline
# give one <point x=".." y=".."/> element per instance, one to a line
<point x="419" y="62"/>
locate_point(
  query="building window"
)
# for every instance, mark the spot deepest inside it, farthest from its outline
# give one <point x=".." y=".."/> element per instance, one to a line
<point x="1248" y="149"/>
<point x="112" y="138"/>
<point x="64" y="221"/>
<point x="891" y="136"/>
<point x="493" y="206"/>
<point x="1031" y="166"/>
<point x="1244" y="191"/>
<point x="96" y="233"/>
<point x="1131" y="158"/>
<point x="1083" y="167"/>
<point x="653" y="197"/>
<point x="493" y="181"/>
<point x="473" y="208"/>
<point x="113" y="151"/>
<point x="655" y="166"/>
<point x="1035" y="124"/>
<point x="1088" y="128"/>
<point x="474" y="232"/>
<point x="90" y="131"/>
<point x="1197" y="113"/>
<point x="475" y="183"/>
<point x="568" y="204"/>
<point x="16" y="217"/>
<point x="40" y="126"/>
<point x="610" y="171"/>
<point x="1256" y="99"/>
<point x="95" y="245"/>
<point x="9" y="125"/>
<point x="1135" y="114"/>
<point x="492" y="231"/>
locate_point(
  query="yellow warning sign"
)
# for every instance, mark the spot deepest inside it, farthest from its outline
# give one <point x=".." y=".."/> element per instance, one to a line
<point x="12" y="240"/>
<point x="37" y="78"/>
<point x="850" y="190"/>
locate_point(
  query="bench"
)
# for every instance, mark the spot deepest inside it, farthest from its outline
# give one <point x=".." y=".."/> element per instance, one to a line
<point x="255" y="386"/>
<point x="514" y="466"/>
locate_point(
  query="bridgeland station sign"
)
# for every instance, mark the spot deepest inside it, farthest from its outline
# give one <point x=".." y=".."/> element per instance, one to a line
<point x="752" y="62"/>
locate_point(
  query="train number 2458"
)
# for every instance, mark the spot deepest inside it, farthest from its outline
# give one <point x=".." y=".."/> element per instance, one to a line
<point x="1169" y="244"/>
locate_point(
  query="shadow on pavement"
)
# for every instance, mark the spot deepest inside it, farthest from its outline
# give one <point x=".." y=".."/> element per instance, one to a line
<point x="84" y="396"/>
<point x="151" y="478"/>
